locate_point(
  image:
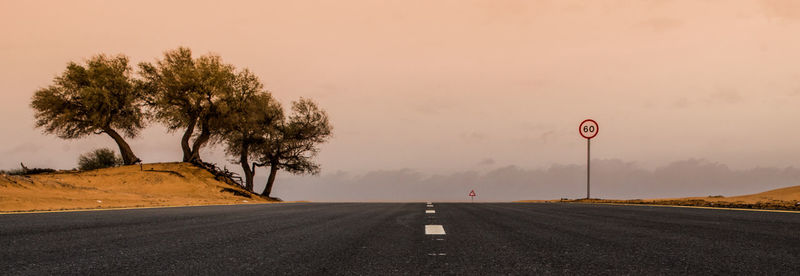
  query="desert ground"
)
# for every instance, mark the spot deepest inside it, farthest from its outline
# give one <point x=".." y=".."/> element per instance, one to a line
<point x="148" y="185"/>
<point x="184" y="184"/>
<point x="781" y="199"/>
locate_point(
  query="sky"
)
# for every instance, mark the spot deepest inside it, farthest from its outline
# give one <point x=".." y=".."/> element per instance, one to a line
<point x="442" y="90"/>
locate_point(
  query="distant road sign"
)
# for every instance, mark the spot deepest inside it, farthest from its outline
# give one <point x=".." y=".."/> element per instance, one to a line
<point x="472" y="196"/>
<point x="472" y="193"/>
<point x="588" y="129"/>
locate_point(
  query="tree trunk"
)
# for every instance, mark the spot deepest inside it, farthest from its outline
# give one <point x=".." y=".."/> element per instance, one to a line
<point x="187" y="151"/>
<point x="124" y="149"/>
<point x="248" y="173"/>
<point x="205" y="135"/>
<point x="273" y="170"/>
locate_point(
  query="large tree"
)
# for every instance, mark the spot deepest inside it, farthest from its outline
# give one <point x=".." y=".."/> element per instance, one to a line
<point x="186" y="93"/>
<point x="294" y="143"/>
<point x="95" y="98"/>
<point x="251" y="115"/>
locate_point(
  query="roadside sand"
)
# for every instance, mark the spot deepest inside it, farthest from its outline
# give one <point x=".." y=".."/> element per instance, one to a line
<point x="783" y="194"/>
<point x="164" y="184"/>
<point x="781" y="199"/>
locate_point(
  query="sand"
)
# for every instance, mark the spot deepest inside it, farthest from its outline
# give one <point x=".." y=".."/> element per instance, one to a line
<point x="783" y="194"/>
<point x="782" y="199"/>
<point x="163" y="184"/>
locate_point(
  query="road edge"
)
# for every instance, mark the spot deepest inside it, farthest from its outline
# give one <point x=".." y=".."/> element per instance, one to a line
<point x="135" y="208"/>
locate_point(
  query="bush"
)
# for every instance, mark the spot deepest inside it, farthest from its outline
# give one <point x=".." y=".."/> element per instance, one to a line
<point x="38" y="171"/>
<point x="99" y="159"/>
<point x="26" y="171"/>
<point x="13" y="172"/>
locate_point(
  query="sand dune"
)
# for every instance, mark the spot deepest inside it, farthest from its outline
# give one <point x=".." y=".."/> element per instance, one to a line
<point x="164" y="184"/>
<point x="782" y="194"/>
<point x="788" y="194"/>
<point x="782" y="199"/>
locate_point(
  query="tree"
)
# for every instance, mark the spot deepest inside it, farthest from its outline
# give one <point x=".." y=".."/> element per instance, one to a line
<point x="185" y="93"/>
<point x="250" y="116"/>
<point x="99" y="159"/>
<point x="294" y="142"/>
<point x="96" y="98"/>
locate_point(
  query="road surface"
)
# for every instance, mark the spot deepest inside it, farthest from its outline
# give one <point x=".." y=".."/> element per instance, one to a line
<point x="393" y="238"/>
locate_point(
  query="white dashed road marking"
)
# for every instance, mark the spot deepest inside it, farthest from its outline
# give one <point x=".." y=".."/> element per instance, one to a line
<point x="434" y="230"/>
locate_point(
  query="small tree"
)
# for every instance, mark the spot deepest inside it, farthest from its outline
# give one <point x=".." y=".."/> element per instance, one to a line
<point x="96" y="98"/>
<point x="293" y="144"/>
<point x="186" y="93"/>
<point x="99" y="159"/>
<point x="250" y="116"/>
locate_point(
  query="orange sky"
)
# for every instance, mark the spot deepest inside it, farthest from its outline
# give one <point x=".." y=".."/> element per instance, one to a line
<point x="441" y="86"/>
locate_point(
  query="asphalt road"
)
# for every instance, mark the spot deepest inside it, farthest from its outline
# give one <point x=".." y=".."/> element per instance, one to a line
<point x="379" y="239"/>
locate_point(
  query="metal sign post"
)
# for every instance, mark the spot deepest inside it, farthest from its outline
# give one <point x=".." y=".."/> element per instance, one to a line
<point x="588" y="129"/>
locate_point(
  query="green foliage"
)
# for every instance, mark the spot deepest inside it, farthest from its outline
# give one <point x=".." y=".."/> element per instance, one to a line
<point x="99" y="159"/>
<point x="294" y="143"/>
<point x="90" y="99"/>
<point x="251" y="114"/>
<point x="172" y="88"/>
<point x="186" y="93"/>
<point x="255" y="127"/>
<point x="204" y="97"/>
<point x="99" y="97"/>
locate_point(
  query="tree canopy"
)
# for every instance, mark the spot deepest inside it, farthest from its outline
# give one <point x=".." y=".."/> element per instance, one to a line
<point x="209" y="100"/>
<point x="95" y="98"/>
<point x="251" y="115"/>
<point x="186" y="93"/>
<point x="293" y="144"/>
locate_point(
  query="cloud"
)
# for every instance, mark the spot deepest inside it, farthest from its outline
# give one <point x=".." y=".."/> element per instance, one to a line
<point x="547" y="136"/>
<point x="726" y="95"/>
<point x="786" y="9"/>
<point x="683" y="102"/>
<point x="794" y="92"/>
<point x="660" y="25"/>
<point x="611" y="178"/>
<point x="24" y="148"/>
<point x="486" y="162"/>
<point x="473" y="136"/>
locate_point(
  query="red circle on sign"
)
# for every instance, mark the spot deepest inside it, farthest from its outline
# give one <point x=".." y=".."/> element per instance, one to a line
<point x="588" y="135"/>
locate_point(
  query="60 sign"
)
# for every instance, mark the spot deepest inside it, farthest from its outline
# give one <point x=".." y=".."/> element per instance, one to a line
<point x="588" y="129"/>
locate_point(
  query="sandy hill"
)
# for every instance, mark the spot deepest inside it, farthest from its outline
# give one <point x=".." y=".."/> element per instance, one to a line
<point x="164" y="184"/>
<point x="787" y="195"/>
<point x="784" y="199"/>
<point x="782" y="194"/>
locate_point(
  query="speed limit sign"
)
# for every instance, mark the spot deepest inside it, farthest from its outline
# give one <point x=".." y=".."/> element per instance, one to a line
<point x="588" y="129"/>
